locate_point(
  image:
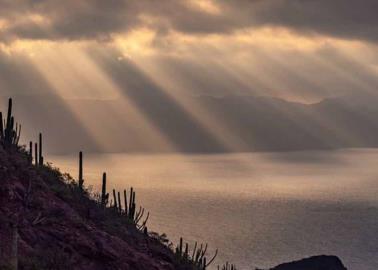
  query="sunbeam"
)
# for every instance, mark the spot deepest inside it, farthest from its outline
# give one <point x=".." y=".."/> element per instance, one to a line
<point x="72" y="75"/>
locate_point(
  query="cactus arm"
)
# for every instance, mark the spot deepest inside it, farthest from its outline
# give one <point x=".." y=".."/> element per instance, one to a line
<point x="186" y="252"/>
<point x="194" y="250"/>
<point x="14" y="137"/>
<point x="139" y="215"/>
<point x="19" y="135"/>
<point x="213" y="258"/>
<point x="145" y="221"/>
<point x="203" y="252"/>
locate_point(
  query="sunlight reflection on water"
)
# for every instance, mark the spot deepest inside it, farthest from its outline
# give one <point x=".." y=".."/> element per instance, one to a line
<point x="259" y="209"/>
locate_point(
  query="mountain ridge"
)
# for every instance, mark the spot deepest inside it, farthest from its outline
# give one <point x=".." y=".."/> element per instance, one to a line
<point x="332" y="123"/>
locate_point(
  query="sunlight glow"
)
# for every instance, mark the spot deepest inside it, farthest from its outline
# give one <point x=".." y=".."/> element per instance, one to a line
<point x="137" y="42"/>
<point x="73" y="75"/>
<point x="3" y="24"/>
<point x="207" y="6"/>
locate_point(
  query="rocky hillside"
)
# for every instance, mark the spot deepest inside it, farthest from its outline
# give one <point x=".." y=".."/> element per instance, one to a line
<point x="56" y="226"/>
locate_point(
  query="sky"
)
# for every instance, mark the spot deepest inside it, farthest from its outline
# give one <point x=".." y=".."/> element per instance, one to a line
<point x="297" y="50"/>
<point x="300" y="50"/>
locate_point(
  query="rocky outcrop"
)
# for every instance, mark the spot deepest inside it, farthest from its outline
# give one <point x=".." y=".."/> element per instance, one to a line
<point x="313" y="263"/>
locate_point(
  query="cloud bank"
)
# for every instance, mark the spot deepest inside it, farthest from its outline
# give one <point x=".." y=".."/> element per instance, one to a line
<point x="96" y="19"/>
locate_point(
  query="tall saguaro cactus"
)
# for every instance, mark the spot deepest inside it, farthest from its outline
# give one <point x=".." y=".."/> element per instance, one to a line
<point x="132" y="205"/>
<point x="115" y="200"/>
<point x="119" y="203"/>
<point x="31" y="152"/>
<point x="81" y="180"/>
<point x="8" y="128"/>
<point x="40" y="161"/>
<point x="104" y="195"/>
<point x="125" y="198"/>
<point x="36" y="154"/>
<point x="8" y="133"/>
<point x="1" y="126"/>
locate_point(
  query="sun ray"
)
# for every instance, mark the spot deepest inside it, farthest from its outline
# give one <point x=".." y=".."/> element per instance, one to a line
<point x="73" y="75"/>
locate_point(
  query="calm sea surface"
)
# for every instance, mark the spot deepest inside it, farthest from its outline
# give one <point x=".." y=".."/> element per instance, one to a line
<point x="258" y="209"/>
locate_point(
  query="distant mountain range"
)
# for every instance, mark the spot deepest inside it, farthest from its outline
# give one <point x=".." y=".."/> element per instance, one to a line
<point x="258" y="123"/>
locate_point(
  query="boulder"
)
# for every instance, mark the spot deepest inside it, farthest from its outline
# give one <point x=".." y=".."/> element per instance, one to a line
<point x="313" y="263"/>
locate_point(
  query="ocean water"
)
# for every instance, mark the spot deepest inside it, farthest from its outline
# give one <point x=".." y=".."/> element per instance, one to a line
<point x="258" y="209"/>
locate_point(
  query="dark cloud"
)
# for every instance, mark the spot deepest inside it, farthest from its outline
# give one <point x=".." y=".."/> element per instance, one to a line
<point x="347" y="19"/>
<point x="67" y="19"/>
<point x="96" y="19"/>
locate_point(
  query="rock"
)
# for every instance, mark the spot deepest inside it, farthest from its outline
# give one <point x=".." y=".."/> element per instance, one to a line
<point x="313" y="263"/>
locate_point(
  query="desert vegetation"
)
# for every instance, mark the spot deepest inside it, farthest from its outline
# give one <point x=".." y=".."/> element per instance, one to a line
<point x="26" y="210"/>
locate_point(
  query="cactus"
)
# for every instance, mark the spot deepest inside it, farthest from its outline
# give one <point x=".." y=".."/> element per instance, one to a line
<point x="131" y="201"/>
<point x="36" y="154"/>
<point x="132" y="205"/>
<point x="125" y="198"/>
<point x="115" y="199"/>
<point x="15" y="132"/>
<point x="18" y="135"/>
<point x="180" y="247"/>
<point x="40" y="162"/>
<point x="9" y="115"/>
<point x="137" y="218"/>
<point x="104" y="195"/>
<point x="119" y="203"/>
<point x="31" y="152"/>
<point x="8" y="128"/>
<point x="11" y="132"/>
<point x="186" y="252"/>
<point x="198" y="258"/>
<point x="1" y="126"/>
<point x="227" y="266"/>
<point x="194" y="249"/>
<point x="9" y="135"/>
<point x="81" y="180"/>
